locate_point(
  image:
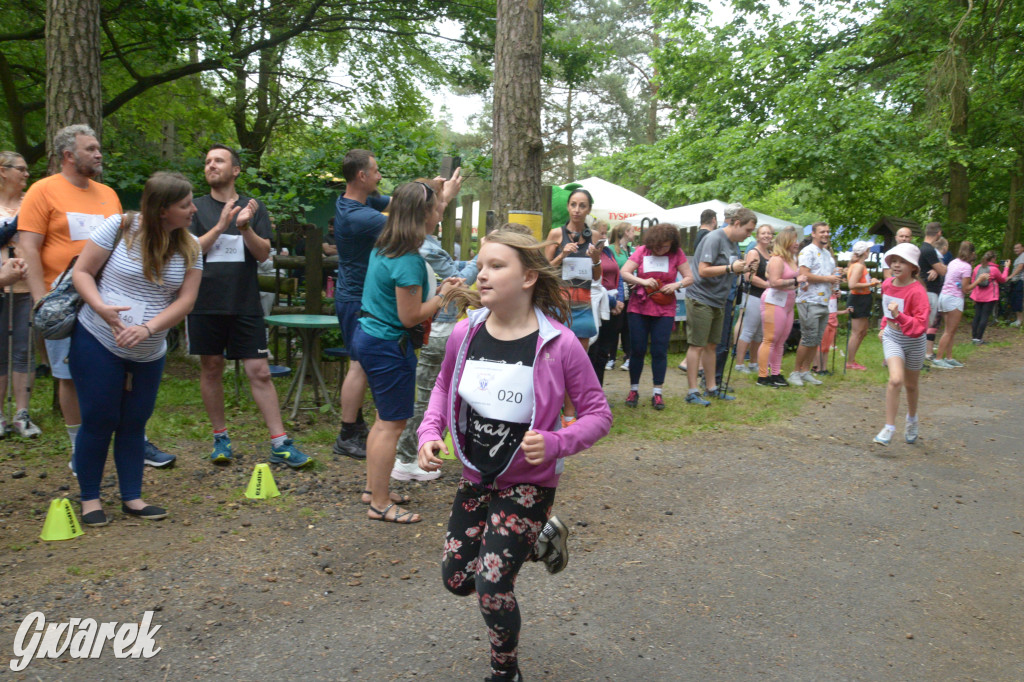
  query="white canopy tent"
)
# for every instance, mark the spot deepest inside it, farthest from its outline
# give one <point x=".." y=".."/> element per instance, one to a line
<point x="613" y="203"/>
<point x="685" y="216"/>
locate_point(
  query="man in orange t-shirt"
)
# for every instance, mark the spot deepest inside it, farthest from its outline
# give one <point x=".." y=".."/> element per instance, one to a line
<point x="56" y="217"/>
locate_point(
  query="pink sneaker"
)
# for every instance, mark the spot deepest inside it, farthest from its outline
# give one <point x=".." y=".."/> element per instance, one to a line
<point x="854" y="365"/>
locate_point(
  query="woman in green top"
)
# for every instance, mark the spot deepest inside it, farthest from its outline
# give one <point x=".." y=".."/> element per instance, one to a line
<point x="620" y="239"/>
<point x="397" y="296"/>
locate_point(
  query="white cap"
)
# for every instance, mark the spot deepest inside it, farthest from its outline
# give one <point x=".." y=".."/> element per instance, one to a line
<point x="861" y="247"/>
<point x="906" y="251"/>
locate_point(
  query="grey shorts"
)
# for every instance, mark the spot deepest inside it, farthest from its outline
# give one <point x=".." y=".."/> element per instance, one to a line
<point x="58" y="351"/>
<point x="933" y="313"/>
<point x="813" y="320"/>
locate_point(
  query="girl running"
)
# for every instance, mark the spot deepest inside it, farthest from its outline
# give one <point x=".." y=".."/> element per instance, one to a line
<point x="905" y="311"/>
<point x="499" y="393"/>
<point x="777" y="308"/>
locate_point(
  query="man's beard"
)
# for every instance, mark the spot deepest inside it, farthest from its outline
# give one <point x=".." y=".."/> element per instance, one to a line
<point x="88" y="170"/>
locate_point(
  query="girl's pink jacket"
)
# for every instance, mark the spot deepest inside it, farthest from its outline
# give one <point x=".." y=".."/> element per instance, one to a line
<point x="560" y="367"/>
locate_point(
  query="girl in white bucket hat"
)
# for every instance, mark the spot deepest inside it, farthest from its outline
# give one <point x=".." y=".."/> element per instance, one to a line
<point x="904" y="326"/>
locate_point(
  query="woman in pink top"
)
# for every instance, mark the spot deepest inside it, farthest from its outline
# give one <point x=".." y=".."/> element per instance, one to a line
<point x="777" y="308"/>
<point x="986" y="294"/>
<point x="653" y="270"/>
<point x="958" y="283"/>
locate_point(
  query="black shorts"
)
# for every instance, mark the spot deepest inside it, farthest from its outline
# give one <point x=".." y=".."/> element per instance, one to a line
<point x="237" y="337"/>
<point x="861" y="304"/>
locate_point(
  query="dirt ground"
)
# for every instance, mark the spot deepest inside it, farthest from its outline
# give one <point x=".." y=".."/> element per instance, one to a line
<point x="796" y="551"/>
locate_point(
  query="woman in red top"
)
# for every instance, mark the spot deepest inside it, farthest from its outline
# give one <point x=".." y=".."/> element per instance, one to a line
<point x="986" y="294"/>
<point x="611" y="280"/>
<point x="657" y="270"/>
<point x="905" y="310"/>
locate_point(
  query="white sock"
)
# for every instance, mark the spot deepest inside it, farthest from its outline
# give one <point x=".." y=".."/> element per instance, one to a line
<point x="911" y="420"/>
<point x="657" y="391"/>
<point x="890" y="427"/>
<point x="278" y="441"/>
<point x="634" y="387"/>
<point x="73" y="434"/>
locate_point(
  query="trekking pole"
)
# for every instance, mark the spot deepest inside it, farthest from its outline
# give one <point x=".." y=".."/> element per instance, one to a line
<point x="743" y="290"/>
<point x="10" y="354"/>
<point x="31" y="356"/>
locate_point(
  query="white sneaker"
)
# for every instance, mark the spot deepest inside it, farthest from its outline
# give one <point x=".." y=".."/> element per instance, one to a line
<point x="910" y="432"/>
<point x="23" y="425"/>
<point x="1015" y="323"/>
<point x="742" y="369"/>
<point x="625" y="366"/>
<point x="752" y="366"/>
<point x="610" y="365"/>
<point x="3" y="427"/>
<point x="884" y="436"/>
<point x="809" y="379"/>
<point x="796" y="379"/>
<point x="412" y="472"/>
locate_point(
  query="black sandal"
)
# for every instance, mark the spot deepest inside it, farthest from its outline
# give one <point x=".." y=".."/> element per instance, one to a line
<point x="402" y="499"/>
<point x="394" y="519"/>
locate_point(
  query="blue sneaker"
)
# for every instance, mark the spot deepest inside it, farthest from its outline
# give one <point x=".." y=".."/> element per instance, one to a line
<point x="694" y="398"/>
<point x="719" y="394"/>
<point x="155" y="457"/>
<point x="221" y="450"/>
<point x="289" y="454"/>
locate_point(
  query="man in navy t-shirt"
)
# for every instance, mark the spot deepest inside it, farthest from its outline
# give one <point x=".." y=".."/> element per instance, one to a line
<point x="358" y="221"/>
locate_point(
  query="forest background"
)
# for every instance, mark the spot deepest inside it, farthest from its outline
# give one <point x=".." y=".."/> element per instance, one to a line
<point x="842" y="110"/>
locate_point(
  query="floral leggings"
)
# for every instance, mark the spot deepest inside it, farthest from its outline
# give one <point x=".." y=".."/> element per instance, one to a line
<point x="490" y="534"/>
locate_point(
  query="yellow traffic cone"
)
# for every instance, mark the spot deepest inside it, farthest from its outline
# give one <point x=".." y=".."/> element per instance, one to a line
<point x="448" y="444"/>
<point x="261" y="485"/>
<point x="61" y="522"/>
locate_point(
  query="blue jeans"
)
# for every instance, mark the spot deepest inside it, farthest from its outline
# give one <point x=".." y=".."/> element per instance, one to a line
<point x="110" y="407"/>
<point x="659" y="329"/>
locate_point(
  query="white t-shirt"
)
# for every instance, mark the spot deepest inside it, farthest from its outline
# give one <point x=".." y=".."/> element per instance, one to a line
<point x="123" y="283"/>
<point x="820" y="262"/>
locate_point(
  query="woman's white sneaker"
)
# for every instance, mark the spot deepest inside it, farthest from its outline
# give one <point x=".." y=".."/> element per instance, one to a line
<point x="412" y="472"/>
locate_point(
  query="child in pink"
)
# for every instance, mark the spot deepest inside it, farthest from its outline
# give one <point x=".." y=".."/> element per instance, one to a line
<point x="905" y="310"/>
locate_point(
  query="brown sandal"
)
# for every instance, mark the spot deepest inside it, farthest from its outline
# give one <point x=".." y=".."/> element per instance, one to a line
<point x="397" y="498"/>
<point x="395" y="518"/>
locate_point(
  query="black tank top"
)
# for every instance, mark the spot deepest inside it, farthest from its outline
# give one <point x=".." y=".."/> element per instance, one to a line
<point x="579" y="288"/>
<point x="762" y="272"/>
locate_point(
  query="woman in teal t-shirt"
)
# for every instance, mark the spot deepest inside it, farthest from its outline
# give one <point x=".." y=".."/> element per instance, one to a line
<point x="397" y="296"/>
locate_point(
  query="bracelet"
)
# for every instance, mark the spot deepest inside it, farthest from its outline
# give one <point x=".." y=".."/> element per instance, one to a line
<point x="147" y="328"/>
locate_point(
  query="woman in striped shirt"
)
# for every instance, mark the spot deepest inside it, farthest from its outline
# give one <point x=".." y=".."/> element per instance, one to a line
<point x="138" y="275"/>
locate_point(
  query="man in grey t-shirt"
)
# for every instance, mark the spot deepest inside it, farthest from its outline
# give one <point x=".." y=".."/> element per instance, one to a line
<point x="1017" y="285"/>
<point x="717" y="258"/>
<point x="817" y="263"/>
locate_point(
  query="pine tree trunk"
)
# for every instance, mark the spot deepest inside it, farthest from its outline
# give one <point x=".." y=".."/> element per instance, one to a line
<point x="73" y="93"/>
<point x="517" y="105"/>
<point x="1015" y="207"/>
<point x="570" y="134"/>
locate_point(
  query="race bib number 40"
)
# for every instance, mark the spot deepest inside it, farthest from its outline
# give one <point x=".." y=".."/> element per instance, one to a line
<point x="136" y="313"/>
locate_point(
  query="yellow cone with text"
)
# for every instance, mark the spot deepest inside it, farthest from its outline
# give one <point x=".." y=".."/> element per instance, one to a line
<point x="61" y="522"/>
<point x="261" y="485"/>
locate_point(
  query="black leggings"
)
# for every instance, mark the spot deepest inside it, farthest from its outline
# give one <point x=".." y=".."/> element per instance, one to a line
<point x="603" y="349"/>
<point x="982" y="314"/>
<point x="490" y="534"/>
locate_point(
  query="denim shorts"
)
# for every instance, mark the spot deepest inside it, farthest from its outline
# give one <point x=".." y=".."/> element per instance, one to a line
<point x="391" y="372"/>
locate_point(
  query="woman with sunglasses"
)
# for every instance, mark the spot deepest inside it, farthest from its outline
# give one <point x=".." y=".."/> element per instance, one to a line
<point x="15" y="304"/>
<point x="397" y="296"/>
